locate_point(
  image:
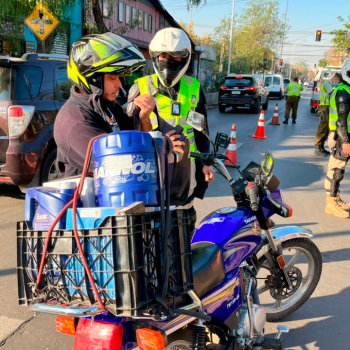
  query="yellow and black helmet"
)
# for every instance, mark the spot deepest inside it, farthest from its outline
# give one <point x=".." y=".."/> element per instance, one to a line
<point x="94" y="55"/>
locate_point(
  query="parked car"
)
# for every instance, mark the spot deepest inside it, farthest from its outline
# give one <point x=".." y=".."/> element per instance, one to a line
<point x="32" y="90"/>
<point x="244" y="90"/>
<point x="274" y="82"/>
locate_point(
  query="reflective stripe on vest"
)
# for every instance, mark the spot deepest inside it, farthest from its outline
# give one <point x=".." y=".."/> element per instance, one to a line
<point x="293" y="89"/>
<point x="333" y="114"/>
<point x="188" y="97"/>
<point x="324" y="95"/>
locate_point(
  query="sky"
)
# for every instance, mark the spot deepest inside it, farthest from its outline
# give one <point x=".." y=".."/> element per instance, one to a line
<point x="304" y="17"/>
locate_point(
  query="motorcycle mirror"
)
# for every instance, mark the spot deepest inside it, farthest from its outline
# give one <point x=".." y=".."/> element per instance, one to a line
<point x="196" y="120"/>
<point x="267" y="164"/>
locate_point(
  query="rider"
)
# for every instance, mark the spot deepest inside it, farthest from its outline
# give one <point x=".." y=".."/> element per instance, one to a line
<point x="95" y="65"/>
<point x="339" y="143"/>
<point x="176" y="95"/>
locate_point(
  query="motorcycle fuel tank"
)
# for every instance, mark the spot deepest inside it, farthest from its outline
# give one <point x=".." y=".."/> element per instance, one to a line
<point x="234" y="230"/>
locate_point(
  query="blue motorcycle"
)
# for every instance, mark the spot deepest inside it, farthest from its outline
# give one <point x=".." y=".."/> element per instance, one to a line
<point x="245" y="273"/>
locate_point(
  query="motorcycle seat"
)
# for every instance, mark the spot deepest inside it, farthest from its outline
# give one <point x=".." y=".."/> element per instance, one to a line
<point x="208" y="268"/>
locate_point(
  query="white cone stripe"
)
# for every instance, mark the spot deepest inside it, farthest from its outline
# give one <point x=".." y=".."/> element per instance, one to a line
<point x="261" y="124"/>
<point x="233" y="134"/>
<point x="232" y="147"/>
<point x="275" y="114"/>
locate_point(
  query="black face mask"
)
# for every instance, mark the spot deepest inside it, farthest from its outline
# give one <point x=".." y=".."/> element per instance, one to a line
<point x="169" y="70"/>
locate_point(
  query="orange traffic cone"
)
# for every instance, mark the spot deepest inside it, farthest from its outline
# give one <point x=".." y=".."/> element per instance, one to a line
<point x="231" y="151"/>
<point x="260" y="130"/>
<point x="275" y="116"/>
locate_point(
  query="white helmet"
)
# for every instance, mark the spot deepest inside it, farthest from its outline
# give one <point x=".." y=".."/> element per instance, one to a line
<point x="345" y="71"/>
<point x="174" y="42"/>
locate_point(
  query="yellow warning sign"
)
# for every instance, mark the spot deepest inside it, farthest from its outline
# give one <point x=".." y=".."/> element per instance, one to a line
<point x="42" y="21"/>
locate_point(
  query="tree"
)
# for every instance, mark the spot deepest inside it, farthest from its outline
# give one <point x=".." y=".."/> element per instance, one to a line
<point x="341" y="38"/>
<point x="14" y="12"/>
<point x="259" y="29"/>
<point x="334" y="57"/>
<point x="323" y="62"/>
<point x="301" y="69"/>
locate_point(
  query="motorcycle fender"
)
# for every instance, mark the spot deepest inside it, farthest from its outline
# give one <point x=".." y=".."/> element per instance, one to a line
<point x="284" y="234"/>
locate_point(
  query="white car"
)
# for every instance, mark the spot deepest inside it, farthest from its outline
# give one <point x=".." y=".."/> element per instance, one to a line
<point x="275" y="84"/>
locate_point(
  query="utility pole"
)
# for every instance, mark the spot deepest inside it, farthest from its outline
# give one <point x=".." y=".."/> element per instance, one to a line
<point x="231" y="33"/>
<point x="285" y="27"/>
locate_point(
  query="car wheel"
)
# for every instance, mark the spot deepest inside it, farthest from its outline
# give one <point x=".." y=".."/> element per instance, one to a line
<point x="222" y="109"/>
<point x="280" y="97"/>
<point x="256" y="109"/>
<point x="313" y="110"/>
<point x="49" y="171"/>
<point x="266" y="105"/>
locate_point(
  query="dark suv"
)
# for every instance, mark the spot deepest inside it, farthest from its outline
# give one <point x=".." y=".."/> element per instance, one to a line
<point x="244" y="90"/>
<point x="32" y="90"/>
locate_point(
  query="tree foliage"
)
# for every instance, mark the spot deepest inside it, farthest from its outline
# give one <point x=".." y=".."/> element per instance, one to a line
<point x="204" y="39"/>
<point x="14" y="12"/>
<point x="323" y="62"/>
<point x="257" y="30"/>
<point x="341" y="39"/>
<point x="300" y="69"/>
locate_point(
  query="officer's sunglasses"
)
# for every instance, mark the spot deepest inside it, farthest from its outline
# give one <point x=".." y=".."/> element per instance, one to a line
<point x="176" y="54"/>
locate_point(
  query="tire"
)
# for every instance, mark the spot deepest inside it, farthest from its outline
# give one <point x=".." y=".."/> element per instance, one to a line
<point x="48" y="170"/>
<point x="222" y="109"/>
<point x="280" y="97"/>
<point x="313" y="110"/>
<point x="266" y="105"/>
<point x="256" y="109"/>
<point x="304" y="291"/>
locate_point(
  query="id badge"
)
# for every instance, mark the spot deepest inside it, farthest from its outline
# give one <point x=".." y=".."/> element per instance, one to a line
<point x="175" y="108"/>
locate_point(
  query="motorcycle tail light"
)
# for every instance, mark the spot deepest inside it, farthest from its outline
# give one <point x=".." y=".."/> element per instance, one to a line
<point x="98" y="336"/>
<point x="147" y="339"/>
<point x="65" y="325"/>
<point x="281" y="261"/>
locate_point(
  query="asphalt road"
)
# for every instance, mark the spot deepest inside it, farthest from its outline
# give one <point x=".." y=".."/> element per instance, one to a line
<point x="322" y="323"/>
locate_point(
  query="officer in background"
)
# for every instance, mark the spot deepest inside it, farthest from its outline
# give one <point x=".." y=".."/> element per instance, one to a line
<point x="339" y="143"/>
<point x="323" y="111"/>
<point x="176" y="94"/>
<point x="293" y="93"/>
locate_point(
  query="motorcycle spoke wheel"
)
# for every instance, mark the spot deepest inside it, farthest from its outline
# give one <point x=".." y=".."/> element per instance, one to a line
<point x="178" y="345"/>
<point x="302" y="254"/>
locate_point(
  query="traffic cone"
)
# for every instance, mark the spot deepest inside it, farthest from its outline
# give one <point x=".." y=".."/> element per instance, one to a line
<point x="260" y="130"/>
<point x="275" y="116"/>
<point x="231" y="151"/>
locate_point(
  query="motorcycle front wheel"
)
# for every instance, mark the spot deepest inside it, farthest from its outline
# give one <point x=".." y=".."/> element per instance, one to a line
<point x="304" y="266"/>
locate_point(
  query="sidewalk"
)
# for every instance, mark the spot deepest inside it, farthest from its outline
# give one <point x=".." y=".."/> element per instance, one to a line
<point x="323" y="322"/>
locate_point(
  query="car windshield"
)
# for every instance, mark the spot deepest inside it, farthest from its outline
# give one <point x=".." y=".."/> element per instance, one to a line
<point x="5" y="84"/>
<point x="286" y="81"/>
<point x="27" y="81"/>
<point x="276" y="81"/>
<point x="234" y="81"/>
<point x="268" y="81"/>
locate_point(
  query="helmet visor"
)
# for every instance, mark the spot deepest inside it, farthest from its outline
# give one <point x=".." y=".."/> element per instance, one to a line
<point x="164" y="54"/>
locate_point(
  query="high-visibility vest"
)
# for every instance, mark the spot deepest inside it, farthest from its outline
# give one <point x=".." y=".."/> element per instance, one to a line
<point x="294" y="89"/>
<point x="324" y="95"/>
<point x="188" y="97"/>
<point x="333" y="114"/>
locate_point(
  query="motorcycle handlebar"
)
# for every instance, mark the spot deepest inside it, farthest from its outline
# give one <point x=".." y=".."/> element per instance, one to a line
<point x="252" y="192"/>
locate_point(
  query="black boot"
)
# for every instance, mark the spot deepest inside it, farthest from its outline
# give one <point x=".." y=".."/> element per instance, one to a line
<point x="285" y="121"/>
<point x="294" y="121"/>
<point x="324" y="150"/>
<point x="319" y="151"/>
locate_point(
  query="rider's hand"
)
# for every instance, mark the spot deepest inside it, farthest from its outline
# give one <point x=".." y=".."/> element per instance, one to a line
<point x="208" y="173"/>
<point x="146" y="104"/>
<point x="175" y="140"/>
<point x="346" y="148"/>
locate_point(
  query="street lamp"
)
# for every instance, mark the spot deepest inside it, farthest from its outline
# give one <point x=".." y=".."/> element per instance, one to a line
<point x="291" y="62"/>
<point x="229" y="55"/>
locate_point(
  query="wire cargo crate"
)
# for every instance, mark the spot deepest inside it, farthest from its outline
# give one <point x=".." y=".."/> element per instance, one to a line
<point x="125" y="257"/>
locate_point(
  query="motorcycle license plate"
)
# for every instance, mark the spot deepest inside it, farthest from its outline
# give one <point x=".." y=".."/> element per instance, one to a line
<point x="235" y="92"/>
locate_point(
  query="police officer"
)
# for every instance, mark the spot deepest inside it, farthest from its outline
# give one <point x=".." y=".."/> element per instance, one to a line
<point x="323" y="111"/>
<point x="339" y="143"/>
<point x="176" y="95"/>
<point x="293" y="93"/>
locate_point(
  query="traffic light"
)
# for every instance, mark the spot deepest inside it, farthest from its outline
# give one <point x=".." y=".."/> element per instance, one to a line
<point x="265" y="60"/>
<point x="318" y="35"/>
<point x="281" y="62"/>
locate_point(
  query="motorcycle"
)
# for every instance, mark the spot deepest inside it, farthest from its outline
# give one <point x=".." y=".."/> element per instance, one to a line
<point x="245" y="273"/>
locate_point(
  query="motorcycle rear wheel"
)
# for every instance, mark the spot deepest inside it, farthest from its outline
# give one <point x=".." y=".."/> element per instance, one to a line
<point x="309" y="256"/>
